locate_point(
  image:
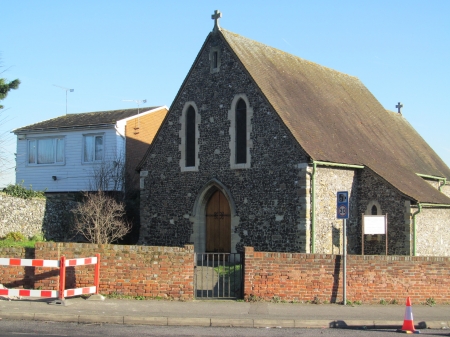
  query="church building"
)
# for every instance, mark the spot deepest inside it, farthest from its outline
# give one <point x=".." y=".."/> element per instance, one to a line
<point x="258" y="142"/>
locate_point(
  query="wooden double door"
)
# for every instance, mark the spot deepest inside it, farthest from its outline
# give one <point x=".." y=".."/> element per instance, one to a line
<point x="218" y="224"/>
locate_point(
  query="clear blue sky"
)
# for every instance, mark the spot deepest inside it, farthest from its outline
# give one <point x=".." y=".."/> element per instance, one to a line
<point x="109" y="51"/>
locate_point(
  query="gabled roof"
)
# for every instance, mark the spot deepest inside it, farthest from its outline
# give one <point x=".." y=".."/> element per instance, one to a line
<point x="335" y="118"/>
<point x="99" y="119"/>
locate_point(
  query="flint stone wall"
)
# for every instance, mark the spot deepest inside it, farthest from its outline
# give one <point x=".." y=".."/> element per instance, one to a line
<point x="50" y="217"/>
<point x="271" y="197"/>
<point x="328" y="229"/>
<point x="433" y="236"/>
<point x="389" y="201"/>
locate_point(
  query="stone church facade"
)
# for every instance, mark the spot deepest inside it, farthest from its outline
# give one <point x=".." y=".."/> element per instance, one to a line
<point x="240" y="161"/>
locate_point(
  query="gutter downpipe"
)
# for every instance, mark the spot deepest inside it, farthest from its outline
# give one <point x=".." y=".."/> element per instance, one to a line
<point x="313" y="193"/>
<point x="440" y="179"/>
<point x="414" y="227"/>
<point x="313" y="209"/>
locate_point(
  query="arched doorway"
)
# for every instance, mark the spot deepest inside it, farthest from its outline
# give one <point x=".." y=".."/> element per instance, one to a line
<point x="218" y="224"/>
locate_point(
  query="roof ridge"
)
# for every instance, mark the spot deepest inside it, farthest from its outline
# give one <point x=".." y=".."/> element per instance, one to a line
<point x="287" y="54"/>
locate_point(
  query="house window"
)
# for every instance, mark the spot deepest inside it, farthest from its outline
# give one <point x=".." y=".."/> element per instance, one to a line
<point x="46" y="151"/>
<point x="93" y="148"/>
<point x="240" y="116"/>
<point x="190" y="137"/>
<point x="189" y="134"/>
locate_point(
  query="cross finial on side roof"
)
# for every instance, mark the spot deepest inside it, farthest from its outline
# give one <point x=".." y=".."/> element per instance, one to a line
<point x="399" y="106"/>
<point x="216" y="16"/>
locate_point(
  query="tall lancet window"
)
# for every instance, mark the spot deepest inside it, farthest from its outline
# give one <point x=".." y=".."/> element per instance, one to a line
<point x="241" y="132"/>
<point x="190" y="137"/>
<point x="240" y="116"/>
<point x="188" y="147"/>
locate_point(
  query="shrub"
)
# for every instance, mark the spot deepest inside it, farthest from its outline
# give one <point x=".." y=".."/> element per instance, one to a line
<point x="19" y="191"/>
<point x="100" y="218"/>
<point x="15" y="236"/>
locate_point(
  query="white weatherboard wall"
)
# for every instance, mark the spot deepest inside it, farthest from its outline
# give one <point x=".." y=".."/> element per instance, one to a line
<point x="73" y="175"/>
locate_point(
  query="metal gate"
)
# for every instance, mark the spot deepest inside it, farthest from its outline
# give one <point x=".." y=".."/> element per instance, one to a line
<point x="219" y="275"/>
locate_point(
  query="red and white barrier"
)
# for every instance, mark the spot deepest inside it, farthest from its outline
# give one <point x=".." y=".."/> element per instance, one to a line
<point x="62" y="263"/>
<point x="29" y="262"/>
<point x="28" y="293"/>
<point x="81" y="262"/>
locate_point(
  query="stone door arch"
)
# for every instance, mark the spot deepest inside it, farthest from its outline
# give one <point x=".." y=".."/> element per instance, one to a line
<point x="199" y="216"/>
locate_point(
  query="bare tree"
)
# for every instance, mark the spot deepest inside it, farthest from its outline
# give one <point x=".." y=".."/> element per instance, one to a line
<point x="100" y="218"/>
<point x="109" y="175"/>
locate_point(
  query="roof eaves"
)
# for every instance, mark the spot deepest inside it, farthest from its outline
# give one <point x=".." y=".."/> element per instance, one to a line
<point x="63" y="128"/>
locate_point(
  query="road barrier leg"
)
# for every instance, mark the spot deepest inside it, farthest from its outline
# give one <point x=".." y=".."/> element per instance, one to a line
<point x="62" y="277"/>
<point x="97" y="275"/>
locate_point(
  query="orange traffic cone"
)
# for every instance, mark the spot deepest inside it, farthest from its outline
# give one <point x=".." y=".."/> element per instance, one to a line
<point x="408" y="324"/>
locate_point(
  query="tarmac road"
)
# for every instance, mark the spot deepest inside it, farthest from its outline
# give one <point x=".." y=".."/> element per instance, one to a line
<point x="53" y="329"/>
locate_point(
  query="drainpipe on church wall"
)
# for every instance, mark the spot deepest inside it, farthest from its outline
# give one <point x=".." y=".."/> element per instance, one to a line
<point x="313" y="209"/>
<point x="414" y="227"/>
<point x="441" y="181"/>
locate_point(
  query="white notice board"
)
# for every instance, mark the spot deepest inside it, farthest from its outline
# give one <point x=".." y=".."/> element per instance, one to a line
<point x="374" y="224"/>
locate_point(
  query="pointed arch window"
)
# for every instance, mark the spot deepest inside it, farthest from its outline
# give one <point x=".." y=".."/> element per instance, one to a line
<point x="241" y="132"/>
<point x="190" y="137"/>
<point x="240" y="116"/>
<point x="374" y="210"/>
<point x="189" y="121"/>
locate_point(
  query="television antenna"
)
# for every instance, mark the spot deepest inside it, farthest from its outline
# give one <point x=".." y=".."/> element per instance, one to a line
<point x="138" y="102"/>
<point x="67" y="90"/>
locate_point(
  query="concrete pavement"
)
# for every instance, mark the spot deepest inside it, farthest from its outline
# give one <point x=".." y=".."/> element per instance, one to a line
<point x="224" y="313"/>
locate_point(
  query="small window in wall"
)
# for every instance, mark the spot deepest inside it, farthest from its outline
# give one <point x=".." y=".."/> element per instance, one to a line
<point x="241" y="132"/>
<point x="374" y="210"/>
<point x="190" y="137"/>
<point x="92" y="148"/>
<point x="43" y="151"/>
<point x="214" y="59"/>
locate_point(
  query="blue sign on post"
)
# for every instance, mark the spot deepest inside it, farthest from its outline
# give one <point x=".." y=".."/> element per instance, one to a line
<point x="342" y="205"/>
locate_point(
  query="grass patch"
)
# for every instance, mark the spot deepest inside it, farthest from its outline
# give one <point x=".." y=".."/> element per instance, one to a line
<point x="16" y="239"/>
<point x="430" y="301"/>
<point x="230" y="276"/>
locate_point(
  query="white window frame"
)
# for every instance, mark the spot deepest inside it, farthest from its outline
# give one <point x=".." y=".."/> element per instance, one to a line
<point x="94" y="161"/>
<point x="36" y="149"/>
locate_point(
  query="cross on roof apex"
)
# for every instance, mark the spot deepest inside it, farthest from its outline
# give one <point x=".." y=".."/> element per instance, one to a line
<point x="216" y="16"/>
<point x="399" y="106"/>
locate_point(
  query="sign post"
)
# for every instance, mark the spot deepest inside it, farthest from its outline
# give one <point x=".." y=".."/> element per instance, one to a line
<point x="342" y="213"/>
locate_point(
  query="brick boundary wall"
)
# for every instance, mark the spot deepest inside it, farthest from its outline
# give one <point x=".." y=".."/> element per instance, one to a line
<point x="16" y="276"/>
<point x="370" y="279"/>
<point x="168" y="272"/>
<point x="149" y="271"/>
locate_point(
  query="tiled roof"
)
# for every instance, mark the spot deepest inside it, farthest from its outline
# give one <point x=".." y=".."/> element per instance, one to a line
<point x="82" y="120"/>
<point x="335" y="118"/>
